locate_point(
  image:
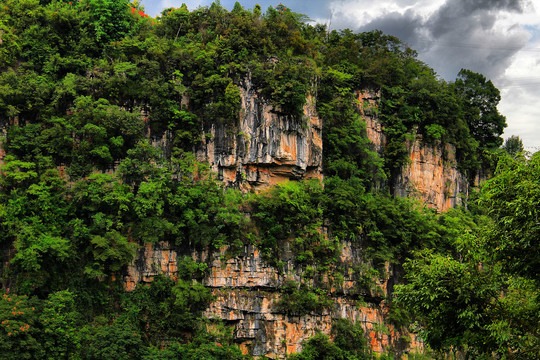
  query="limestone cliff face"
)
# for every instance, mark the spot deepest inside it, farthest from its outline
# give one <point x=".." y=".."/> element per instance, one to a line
<point x="431" y="174"/>
<point x="266" y="148"/>
<point x="368" y="104"/>
<point x="246" y="290"/>
<point x="435" y="181"/>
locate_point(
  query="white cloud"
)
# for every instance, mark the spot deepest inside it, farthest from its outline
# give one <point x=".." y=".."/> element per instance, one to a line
<point x="520" y="89"/>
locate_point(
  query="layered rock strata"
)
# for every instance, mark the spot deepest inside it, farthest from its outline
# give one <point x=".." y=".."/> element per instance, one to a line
<point x="246" y="290"/>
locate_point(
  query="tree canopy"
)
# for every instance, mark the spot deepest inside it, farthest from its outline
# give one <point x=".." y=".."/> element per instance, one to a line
<point x="86" y="88"/>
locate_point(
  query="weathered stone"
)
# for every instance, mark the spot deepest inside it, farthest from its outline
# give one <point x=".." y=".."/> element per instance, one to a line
<point x="150" y="261"/>
<point x="432" y="177"/>
<point x="246" y="290"/>
<point x="431" y="174"/>
<point x="368" y="103"/>
<point x="266" y="148"/>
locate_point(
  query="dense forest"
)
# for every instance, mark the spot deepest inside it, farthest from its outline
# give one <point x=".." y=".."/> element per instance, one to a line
<point x="84" y="82"/>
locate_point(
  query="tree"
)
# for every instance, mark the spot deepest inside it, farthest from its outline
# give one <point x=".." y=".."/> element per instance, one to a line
<point x="19" y="328"/>
<point x="320" y="347"/>
<point x="511" y="198"/>
<point x="480" y="99"/>
<point x="470" y="305"/>
<point x="117" y="341"/>
<point x="482" y="298"/>
<point x="61" y="323"/>
<point x="111" y="19"/>
<point x="513" y="145"/>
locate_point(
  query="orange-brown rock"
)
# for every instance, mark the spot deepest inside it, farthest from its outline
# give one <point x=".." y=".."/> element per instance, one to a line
<point x="432" y="177"/>
<point x="368" y="103"/>
<point x="150" y="261"/>
<point x="246" y="290"/>
<point x="431" y="174"/>
<point x="267" y="147"/>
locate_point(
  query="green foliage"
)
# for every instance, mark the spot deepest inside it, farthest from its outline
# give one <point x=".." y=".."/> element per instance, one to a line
<point x="482" y="298"/>
<point x="349" y="337"/>
<point x="513" y="145"/>
<point x="205" y="345"/>
<point x="301" y="300"/>
<point x="61" y="324"/>
<point x="396" y="227"/>
<point x="387" y="228"/>
<point x="463" y="113"/>
<point x="435" y="132"/>
<point x="511" y="198"/>
<point x="348" y="151"/>
<point x="166" y="310"/>
<point x="319" y="346"/>
<point x="83" y="83"/>
<point x="218" y="98"/>
<point x="33" y="220"/>
<point x="117" y="341"/>
<point x="481" y="98"/>
<point x="110" y="19"/>
<point x="460" y="306"/>
<point x="292" y="212"/>
<point x="207" y="216"/>
<point x="344" y="205"/>
<point x="19" y="330"/>
<point x="285" y="84"/>
<point x="110" y="253"/>
<point x="17" y="173"/>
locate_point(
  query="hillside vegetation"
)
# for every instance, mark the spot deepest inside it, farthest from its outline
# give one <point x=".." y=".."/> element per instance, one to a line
<point x="83" y="83"/>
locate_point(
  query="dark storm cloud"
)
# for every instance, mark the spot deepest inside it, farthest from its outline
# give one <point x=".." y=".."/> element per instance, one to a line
<point x="463" y="34"/>
<point x="460" y="34"/>
<point x="474" y="12"/>
<point x="404" y="26"/>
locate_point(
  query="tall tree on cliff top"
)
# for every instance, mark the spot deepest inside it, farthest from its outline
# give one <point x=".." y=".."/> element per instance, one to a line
<point x="513" y="145"/>
<point x="480" y="100"/>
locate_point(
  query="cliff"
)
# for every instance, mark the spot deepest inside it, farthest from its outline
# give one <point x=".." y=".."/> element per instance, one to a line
<point x="247" y="289"/>
<point x="431" y="173"/>
<point x="435" y="180"/>
<point x="266" y="148"/>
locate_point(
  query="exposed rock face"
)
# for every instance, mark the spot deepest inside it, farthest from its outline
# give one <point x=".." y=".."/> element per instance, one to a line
<point x="431" y="175"/>
<point x="266" y="148"/>
<point x="435" y="181"/>
<point x="368" y="103"/>
<point x="150" y="261"/>
<point x="246" y="290"/>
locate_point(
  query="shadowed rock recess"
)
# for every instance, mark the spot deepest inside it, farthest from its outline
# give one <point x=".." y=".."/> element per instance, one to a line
<point x="266" y="149"/>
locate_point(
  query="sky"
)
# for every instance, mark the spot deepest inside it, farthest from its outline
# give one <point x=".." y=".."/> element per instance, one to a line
<point x="498" y="38"/>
